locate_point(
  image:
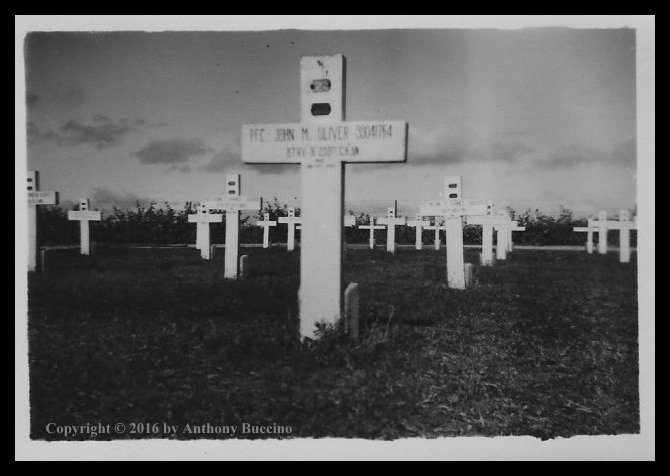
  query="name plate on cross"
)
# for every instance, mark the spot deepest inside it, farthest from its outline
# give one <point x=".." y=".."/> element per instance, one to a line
<point x="356" y="141"/>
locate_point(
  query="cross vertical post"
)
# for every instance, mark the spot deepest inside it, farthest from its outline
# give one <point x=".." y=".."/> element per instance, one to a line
<point x="419" y="224"/>
<point x="602" y="232"/>
<point x="487" y="244"/>
<point x="391" y="221"/>
<point x="202" y="219"/>
<point x="232" y="203"/>
<point x="292" y="222"/>
<point x="625" y="227"/>
<point x="35" y="198"/>
<point x="266" y="223"/>
<point x="322" y="143"/>
<point x="372" y="229"/>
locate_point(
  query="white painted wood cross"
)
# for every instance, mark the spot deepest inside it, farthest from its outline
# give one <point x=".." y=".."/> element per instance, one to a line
<point x="84" y="215"/>
<point x="589" y="236"/>
<point x="419" y="224"/>
<point x="391" y="221"/>
<point x="266" y="223"/>
<point x="322" y="143"/>
<point x="503" y="225"/>
<point x="624" y="225"/>
<point x="372" y="229"/>
<point x="36" y="198"/>
<point x="453" y="208"/>
<point x="436" y="227"/>
<point x="232" y="203"/>
<point x="202" y="218"/>
<point x="293" y="222"/>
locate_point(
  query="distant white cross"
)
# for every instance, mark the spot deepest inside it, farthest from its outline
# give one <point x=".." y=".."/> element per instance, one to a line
<point x="322" y="143"/>
<point x="419" y="224"/>
<point x="202" y="218"/>
<point x="84" y="215"/>
<point x="503" y="225"/>
<point x="293" y="222"/>
<point x="391" y="221"/>
<point x="35" y="198"/>
<point x="436" y="227"/>
<point x="453" y="208"/>
<point x="372" y="229"/>
<point x="232" y="203"/>
<point x="625" y="225"/>
<point x="589" y="236"/>
<point x="266" y="223"/>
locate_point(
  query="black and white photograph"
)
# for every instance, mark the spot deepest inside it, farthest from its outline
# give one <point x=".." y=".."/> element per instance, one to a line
<point x="334" y="238"/>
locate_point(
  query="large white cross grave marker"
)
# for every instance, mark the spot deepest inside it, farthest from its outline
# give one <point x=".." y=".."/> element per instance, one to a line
<point x="372" y="227"/>
<point x="322" y="143"/>
<point x="35" y="198"/>
<point x="292" y="222"/>
<point x="202" y="218"/>
<point x="453" y="208"/>
<point x="266" y="223"/>
<point x="391" y="221"/>
<point x="232" y="203"/>
<point x="84" y="215"/>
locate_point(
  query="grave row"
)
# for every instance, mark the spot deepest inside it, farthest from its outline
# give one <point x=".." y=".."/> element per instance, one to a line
<point x="322" y="143"/>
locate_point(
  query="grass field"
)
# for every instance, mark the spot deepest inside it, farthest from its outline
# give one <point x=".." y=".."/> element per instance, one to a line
<point x="545" y="344"/>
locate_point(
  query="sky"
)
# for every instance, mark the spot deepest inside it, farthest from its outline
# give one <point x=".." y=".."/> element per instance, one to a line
<point x="531" y="118"/>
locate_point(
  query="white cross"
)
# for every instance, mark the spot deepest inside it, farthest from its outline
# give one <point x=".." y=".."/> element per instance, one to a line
<point x="84" y="215"/>
<point x="322" y="143"/>
<point x="293" y="222"/>
<point x="419" y="224"/>
<point x="453" y="208"/>
<point x="202" y="218"/>
<point x="503" y="225"/>
<point x="232" y="203"/>
<point x="624" y="225"/>
<point x="35" y="198"/>
<point x="372" y="229"/>
<point x="266" y="223"/>
<point x="391" y="221"/>
<point x="589" y="236"/>
<point x="437" y="228"/>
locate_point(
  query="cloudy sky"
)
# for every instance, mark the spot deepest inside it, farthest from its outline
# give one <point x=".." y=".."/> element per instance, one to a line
<point x="535" y="118"/>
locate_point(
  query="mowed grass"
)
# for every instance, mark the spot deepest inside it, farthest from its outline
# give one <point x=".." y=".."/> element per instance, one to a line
<point x="545" y="344"/>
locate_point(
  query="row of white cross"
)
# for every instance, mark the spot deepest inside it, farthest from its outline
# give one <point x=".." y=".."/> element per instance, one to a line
<point x="601" y="226"/>
<point x="322" y="142"/>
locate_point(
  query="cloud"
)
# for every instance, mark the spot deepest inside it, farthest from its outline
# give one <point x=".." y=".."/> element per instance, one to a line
<point x="230" y="158"/>
<point x="106" y="199"/>
<point x="225" y="159"/>
<point x="100" y="132"/>
<point x="175" y="152"/>
<point x="35" y="135"/>
<point x="67" y="93"/>
<point x="574" y="155"/>
<point x="452" y="144"/>
<point x="32" y="99"/>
